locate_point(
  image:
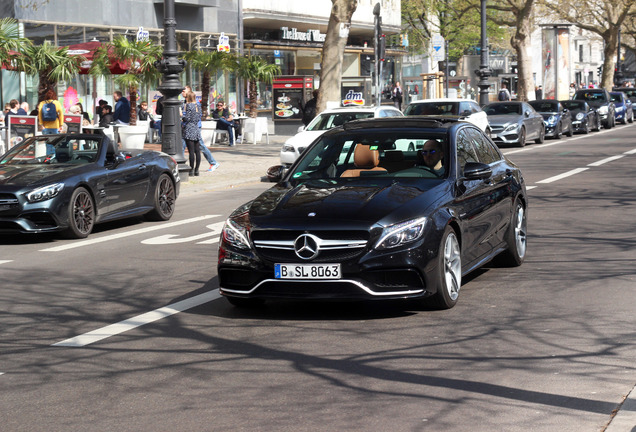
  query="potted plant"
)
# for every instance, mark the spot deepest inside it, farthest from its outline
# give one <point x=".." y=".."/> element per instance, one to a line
<point x="138" y="58"/>
<point x="255" y="69"/>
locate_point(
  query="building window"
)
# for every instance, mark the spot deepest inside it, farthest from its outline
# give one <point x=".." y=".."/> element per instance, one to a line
<point x="69" y="35"/>
<point x="581" y="53"/>
<point x="39" y="33"/>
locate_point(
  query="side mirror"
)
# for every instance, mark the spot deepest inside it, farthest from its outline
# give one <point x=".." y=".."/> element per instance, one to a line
<point x="527" y="113"/>
<point x="477" y="171"/>
<point x="275" y="173"/>
<point x="300" y="129"/>
<point x="466" y="113"/>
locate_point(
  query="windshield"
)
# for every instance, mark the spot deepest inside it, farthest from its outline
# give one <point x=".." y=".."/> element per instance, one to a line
<point x="393" y="154"/>
<point x="590" y="96"/>
<point x="616" y="97"/>
<point x="503" y="109"/>
<point x="433" y="108"/>
<point x="327" y="121"/>
<point x="545" y="106"/>
<point x="52" y="150"/>
<point x="573" y="105"/>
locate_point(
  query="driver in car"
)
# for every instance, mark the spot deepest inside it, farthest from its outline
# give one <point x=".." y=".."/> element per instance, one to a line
<point x="432" y="156"/>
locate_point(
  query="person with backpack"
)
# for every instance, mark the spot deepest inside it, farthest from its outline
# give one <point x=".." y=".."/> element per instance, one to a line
<point x="504" y="94"/>
<point x="50" y="114"/>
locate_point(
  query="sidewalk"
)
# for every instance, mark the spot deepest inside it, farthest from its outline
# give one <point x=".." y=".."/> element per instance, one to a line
<point x="243" y="163"/>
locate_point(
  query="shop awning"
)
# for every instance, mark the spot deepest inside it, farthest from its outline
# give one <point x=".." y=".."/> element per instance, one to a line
<point x="87" y="50"/>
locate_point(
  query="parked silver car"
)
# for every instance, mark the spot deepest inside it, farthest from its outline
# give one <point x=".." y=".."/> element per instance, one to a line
<point x="514" y="123"/>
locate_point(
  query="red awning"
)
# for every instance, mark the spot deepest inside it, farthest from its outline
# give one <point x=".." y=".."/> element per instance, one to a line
<point x="87" y="50"/>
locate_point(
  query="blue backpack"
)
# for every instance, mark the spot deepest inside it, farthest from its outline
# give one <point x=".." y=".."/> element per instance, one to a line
<point x="49" y="112"/>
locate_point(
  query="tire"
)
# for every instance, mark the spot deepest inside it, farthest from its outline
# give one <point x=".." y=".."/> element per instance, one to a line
<point x="570" y="131"/>
<point x="81" y="214"/>
<point x="597" y="128"/>
<point x="449" y="271"/>
<point x="559" y="132"/>
<point x="165" y="196"/>
<point x="586" y="130"/>
<point x="241" y="302"/>
<point x="516" y="237"/>
<point x="541" y="138"/>
<point x="522" y="138"/>
<point x="631" y="117"/>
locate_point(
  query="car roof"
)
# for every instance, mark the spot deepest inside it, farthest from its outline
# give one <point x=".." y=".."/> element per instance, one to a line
<point x="441" y="123"/>
<point x="356" y="108"/>
<point x="441" y="100"/>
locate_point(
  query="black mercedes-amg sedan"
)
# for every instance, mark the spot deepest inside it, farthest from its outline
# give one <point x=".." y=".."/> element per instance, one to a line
<point x="360" y="216"/>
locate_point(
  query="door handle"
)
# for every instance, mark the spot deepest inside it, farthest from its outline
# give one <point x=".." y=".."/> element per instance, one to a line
<point x="142" y="167"/>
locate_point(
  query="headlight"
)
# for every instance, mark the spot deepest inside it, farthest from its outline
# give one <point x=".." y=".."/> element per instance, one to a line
<point x="288" y="148"/>
<point x="45" y="192"/>
<point x="580" y="116"/>
<point x="620" y="108"/>
<point x="511" y="128"/>
<point x="236" y="235"/>
<point x="603" y="110"/>
<point x="401" y="234"/>
<point x="552" y="120"/>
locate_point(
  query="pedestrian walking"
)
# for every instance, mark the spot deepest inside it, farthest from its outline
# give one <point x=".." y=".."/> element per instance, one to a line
<point x="309" y="109"/>
<point x="202" y="147"/>
<point x="538" y="93"/>
<point x="51" y="114"/>
<point x="396" y="96"/>
<point x="192" y="132"/>
<point x="504" y="94"/>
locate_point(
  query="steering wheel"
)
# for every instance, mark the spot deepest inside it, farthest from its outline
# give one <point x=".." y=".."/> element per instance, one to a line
<point x="431" y="170"/>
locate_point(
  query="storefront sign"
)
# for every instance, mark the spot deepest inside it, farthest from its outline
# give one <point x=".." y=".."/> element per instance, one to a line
<point x="287" y="97"/>
<point x="21" y="128"/>
<point x="224" y="43"/>
<point x="142" y="35"/>
<point x="308" y="36"/>
<point x="73" y="123"/>
<point x="352" y="97"/>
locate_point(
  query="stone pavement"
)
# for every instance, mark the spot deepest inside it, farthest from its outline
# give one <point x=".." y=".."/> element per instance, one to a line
<point x="243" y="163"/>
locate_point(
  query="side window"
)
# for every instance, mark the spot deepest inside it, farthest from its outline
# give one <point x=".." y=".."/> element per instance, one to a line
<point x="485" y="151"/>
<point x="474" y="107"/>
<point x="465" y="150"/>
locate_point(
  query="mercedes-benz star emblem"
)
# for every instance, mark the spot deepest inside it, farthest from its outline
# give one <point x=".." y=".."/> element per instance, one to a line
<point x="307" y="246"/>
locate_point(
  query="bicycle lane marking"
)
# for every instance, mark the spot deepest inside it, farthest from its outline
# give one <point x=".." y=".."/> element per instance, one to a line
<point x="89" y="242"/>
<point x="215" y="230"/>
<point x="138" y="321"/>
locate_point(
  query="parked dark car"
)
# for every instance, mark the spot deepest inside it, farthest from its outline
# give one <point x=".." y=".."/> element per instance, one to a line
<point x="600" y="100"/>
<point x="514" y="123"/>
<point x="629" y="91"/>
<point x="624" y="109"/>
<point x="360" y="217"/>
<point x="584" y="117"/>
<point x="555" y="117"/>
<point x="71" y="182"/>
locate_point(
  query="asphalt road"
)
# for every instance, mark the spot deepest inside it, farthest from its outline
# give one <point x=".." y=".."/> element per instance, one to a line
<point x="125" y="330"/>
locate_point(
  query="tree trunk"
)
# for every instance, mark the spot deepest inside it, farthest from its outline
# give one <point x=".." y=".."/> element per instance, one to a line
<point x="133" y="106"/>
<point x="44" y="85"/>
<point x="333" y="52"/>
<point x="610" y="50"/>
<point x="205" y="95"/>
<point x="520" y="41"/>
<point x="253" y="99"/>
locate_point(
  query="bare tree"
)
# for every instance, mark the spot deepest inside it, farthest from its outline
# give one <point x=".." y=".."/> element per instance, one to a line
<point x="333" y="51"/>
<point x="518" y="15"/>
<point x="602" y="17"/>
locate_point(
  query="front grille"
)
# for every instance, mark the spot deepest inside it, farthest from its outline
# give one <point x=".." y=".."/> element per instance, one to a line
<point x="394" y="280"/>
<point x="339" y="246"/>
<point x="496" y="129"/>
<point x="41" y="220"/>
<point x="303" y="289"/>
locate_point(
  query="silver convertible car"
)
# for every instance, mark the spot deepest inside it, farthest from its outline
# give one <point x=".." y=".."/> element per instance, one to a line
<point x="514" y="123"/>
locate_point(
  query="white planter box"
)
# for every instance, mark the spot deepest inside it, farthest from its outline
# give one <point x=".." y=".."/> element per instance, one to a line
<point x="133" y="137"/>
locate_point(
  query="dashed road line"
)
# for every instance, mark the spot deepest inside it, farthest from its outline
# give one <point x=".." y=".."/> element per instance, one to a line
<point x="562" y="176"/>
<point x="5" y="261"/>
<point x="93" y="241"/>
<point x="606" y="160"/>
<point x="138" y="321"/>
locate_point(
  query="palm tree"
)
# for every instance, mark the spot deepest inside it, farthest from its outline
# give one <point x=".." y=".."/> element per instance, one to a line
<point x="50" y="63"/>
<point x="255" y="69"/>
<point x="138" y="57"/>
<point x="210" y="63"/>
<point x="11" y="43"/>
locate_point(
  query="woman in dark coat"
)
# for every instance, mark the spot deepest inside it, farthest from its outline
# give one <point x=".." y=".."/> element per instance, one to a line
<point x="191" y="132"/>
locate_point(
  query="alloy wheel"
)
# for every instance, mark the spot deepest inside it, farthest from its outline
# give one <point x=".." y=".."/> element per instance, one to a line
<point x="452" y="266"/>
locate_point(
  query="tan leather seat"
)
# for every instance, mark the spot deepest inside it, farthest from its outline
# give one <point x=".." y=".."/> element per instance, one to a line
<point x="364" y="159"/>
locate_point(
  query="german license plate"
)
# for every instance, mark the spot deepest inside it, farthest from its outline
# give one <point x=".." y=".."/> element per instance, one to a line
<point x="307" y="271"/>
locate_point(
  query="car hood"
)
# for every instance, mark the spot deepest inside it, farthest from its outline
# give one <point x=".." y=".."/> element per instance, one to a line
<point x="503" y="119"/>
<point x="597" y="104"/>
<point x="35" y="175"/>
<point x="304" y="138"/>
<point x="350" y="203"/>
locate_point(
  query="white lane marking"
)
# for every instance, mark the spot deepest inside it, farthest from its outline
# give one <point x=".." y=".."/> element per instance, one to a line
<point x="93" y="241"/>
<point x="174" y="238"/>
<point x="558" y="142"/>
<point x="564" y="175"/>
<point x="139" y="320"/>
<point x="631" y="152"/>
<point x="602" y="161"/>
<point x="530" y="187"/>
<point x="5" y="261"/>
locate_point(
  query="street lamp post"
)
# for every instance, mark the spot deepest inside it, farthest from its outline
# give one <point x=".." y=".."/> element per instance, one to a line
<point x="171" y="66"/>
<point x="484" y="71"/>
<point x="618" y="75"/>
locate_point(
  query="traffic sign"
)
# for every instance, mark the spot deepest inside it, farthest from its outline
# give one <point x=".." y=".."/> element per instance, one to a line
<point x="439" y="53"/>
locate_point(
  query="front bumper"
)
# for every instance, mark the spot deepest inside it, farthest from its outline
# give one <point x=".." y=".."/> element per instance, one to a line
<point x="505" y="137"/>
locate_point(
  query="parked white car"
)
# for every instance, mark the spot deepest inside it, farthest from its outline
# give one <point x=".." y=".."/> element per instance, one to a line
<point x="326" y="120"/>
<point x="465" y="109"/>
